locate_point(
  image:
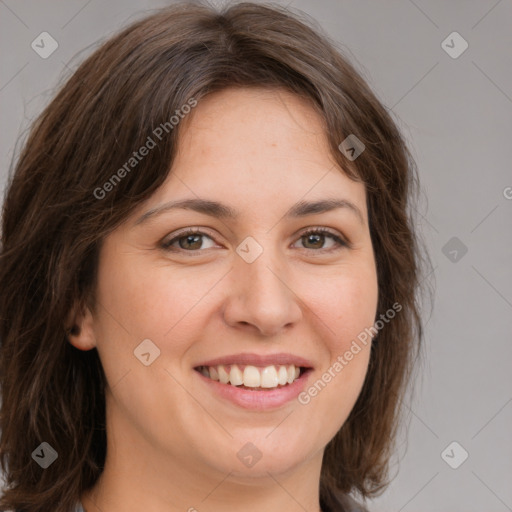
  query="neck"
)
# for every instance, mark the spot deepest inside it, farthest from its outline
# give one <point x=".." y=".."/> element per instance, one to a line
<point x="134" y="490"/>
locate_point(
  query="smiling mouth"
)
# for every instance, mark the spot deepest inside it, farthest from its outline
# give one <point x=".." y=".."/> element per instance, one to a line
<point x="254" y="378"/>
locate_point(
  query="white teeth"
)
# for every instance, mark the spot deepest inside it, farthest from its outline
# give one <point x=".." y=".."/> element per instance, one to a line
<point x="235" y="376"/>
<point x="252" y="376"/>
<point x="291" y="374"/>
<point x="269" y="377"/>
<point x="214" y="374"/>
<point x="282" y="375"/>
<point x="223" y="374"/>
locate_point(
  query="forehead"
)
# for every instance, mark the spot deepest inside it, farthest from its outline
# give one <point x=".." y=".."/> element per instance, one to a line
<point x="255" y="119"/>
<point x="271" y="137"/>
<point x="256" y="148"/>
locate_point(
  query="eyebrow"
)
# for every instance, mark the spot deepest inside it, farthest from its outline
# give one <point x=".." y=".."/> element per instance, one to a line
<point x="223" y="211"/>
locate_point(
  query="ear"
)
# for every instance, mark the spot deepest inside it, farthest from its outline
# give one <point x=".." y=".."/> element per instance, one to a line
<point x="80" y="329"/>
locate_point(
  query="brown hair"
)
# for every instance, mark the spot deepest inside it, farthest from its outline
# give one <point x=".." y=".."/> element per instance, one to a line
<point x="53" y="225"/>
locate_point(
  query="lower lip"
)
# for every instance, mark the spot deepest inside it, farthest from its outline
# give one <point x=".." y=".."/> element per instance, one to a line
<point x="258" y="400"/>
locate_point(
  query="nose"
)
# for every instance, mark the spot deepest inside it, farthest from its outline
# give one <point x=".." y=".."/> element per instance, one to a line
<point x="261" y="298"/>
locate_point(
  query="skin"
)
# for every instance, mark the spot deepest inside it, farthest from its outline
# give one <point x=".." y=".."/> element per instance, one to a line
<point x="172" y="442"/>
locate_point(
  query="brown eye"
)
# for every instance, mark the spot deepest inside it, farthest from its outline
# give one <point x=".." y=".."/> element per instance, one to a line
<point x="315" y="240"/>
<point x="190" y="241"/>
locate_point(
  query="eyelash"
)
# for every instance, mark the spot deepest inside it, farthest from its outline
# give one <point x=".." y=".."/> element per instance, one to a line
<point x="341" y="243"/>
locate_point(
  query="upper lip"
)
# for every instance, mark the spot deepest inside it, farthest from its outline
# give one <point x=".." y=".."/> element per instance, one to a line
<point x="258" y="360"/>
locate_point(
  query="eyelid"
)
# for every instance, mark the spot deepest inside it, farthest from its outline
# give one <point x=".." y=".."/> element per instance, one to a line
<point x="198" y="230"/>
<point x="340" y="239"/>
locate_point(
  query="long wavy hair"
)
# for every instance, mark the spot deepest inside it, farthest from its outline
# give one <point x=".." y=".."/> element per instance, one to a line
<point x="54" y="220"/>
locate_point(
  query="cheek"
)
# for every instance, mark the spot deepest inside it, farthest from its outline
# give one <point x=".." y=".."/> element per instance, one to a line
<point x="150" y="300"/>
<point x="155" y="302"/>
<point x="355" y="311"/>
<point x="345" y="305"/>
<point x="347" y="308"/>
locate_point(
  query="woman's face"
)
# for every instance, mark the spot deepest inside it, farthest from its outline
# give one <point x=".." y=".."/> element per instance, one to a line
<point x="249" y="290"/>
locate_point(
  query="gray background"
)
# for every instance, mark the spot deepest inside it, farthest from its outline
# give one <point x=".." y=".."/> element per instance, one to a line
<point x="456" y="114"/>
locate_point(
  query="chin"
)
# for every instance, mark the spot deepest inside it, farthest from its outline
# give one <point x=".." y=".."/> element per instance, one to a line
<point x="254" y="460"/>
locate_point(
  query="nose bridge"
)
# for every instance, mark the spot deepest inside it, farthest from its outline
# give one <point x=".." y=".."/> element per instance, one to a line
<point x="262" y="296"/>
<point x="262" y="274"/>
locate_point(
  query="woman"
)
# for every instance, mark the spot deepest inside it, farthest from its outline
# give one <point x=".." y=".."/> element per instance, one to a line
<point x="208" y="276"/>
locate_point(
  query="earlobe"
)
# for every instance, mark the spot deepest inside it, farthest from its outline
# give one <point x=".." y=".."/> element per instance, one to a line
<point x="80" y="330"/>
